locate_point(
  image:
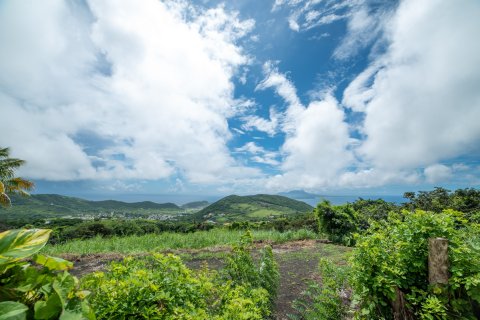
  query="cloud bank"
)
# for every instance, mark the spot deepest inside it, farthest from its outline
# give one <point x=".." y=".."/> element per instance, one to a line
<point x="116" y="91"/>
<point x="153" y="83"/>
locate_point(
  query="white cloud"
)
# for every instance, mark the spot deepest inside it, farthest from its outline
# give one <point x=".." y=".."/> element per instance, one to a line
<point x="365" y="20"/>
<point x="364" y="26"/>
<point x="121" y="186"/>
<point x="359" y="93"/>
<point x="269" y="126"/>
<point x="376" y="177"/>
<point x="317" y="151"/>
<point x="422" y="104"/>
<point x="259" y="154"/>
<point x="309" y="14"/>
<point x="293" y="24"/>
<point x="316" y="147"/>
<point x="437" y="173"/>
<point x="286" y="90"/>
<point x="153" y="85"/>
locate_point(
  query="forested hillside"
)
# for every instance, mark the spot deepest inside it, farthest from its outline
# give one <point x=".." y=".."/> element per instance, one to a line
<point x="54" y="205"/>
<point x="238" y="208"/>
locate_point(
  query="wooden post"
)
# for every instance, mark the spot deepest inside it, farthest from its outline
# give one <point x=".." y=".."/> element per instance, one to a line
<point x="438" y="261"/>
<point x="398" y="305"/>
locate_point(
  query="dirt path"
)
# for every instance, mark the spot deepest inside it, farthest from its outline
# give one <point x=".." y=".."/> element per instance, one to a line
<point x="297" y="261"/>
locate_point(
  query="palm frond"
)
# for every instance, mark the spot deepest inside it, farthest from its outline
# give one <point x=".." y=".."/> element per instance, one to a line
<point x="18" y="185"/>
<point x="4" y="152"/>
<point x="8" y="182"/>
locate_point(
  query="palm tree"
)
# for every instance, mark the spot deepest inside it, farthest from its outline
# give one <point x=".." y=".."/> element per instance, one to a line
<point x="8" y="182"/>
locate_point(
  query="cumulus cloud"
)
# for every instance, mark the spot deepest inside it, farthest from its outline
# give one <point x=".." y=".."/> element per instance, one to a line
<point x="437" y="173"/>
<point x="316" y="147"/>
<point x="419" y="102"/>
<point x="420" y="99"/>
<point x="153" y="87"/>
<point x="317" y="151"/>
<point x="152" y="81"/>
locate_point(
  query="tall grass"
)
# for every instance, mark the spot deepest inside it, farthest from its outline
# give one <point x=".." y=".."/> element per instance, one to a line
<point x="171" y="240"/>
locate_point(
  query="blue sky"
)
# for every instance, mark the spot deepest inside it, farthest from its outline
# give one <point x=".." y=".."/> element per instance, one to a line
<point x="217" y="97"/>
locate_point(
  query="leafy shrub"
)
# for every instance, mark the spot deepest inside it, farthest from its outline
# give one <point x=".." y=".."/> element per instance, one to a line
<point x="241" y="268"/>
<point x="372" y="210"/>
<point x="268" y="273"/>
<point x="463" y="200"/>
<point x="394" y="254"/>
<point x="338" y="222"/>
<point x="159" y="286"/>
<point x="328" y="299"/>
<point x="162" y="287"/>
<point x="43" y="290"/>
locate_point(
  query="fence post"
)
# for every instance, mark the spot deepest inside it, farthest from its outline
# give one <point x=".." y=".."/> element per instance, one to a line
<point x="437" y="275"/>
<point x="438" y="261"/>
<point x="400" y="311"/>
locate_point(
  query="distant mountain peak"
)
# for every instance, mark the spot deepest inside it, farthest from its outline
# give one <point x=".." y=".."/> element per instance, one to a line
<point x="298" y="194"/>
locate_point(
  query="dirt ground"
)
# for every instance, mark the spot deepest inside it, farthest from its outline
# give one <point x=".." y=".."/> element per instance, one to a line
<point x="297" y="262"/>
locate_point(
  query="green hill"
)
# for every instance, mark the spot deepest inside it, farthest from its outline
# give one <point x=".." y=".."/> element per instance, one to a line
<point x="54" y="205"/>
<point x="256" y="207"/>
<point x="195" y="205"/>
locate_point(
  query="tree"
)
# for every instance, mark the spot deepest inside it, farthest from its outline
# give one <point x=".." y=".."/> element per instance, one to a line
<point x="338" y="222"/>
<point x="9" y="183"/>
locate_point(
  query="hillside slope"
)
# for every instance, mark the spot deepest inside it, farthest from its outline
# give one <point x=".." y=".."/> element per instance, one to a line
<point x="45" y="205"/>
<point x="260" y="206"/>
<point x="195" y="205"/>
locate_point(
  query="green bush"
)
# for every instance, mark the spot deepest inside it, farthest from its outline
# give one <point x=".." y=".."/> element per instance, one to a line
<point x="162" y="287"/>
<point x="242" y="270"/>
<point x="338" y="222"/>
<point x="394" y="254"/>
<point x="268" y="273"/>
<point x="158" y="286"/>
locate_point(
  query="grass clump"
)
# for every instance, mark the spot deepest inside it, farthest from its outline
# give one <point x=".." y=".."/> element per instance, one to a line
<point x="171" y="240"/>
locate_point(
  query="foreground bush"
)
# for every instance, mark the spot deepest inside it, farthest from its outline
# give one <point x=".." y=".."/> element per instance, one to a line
<point x="162" y="287"/>
<point x="394" y="254"/>
<point x="41" y="289"/>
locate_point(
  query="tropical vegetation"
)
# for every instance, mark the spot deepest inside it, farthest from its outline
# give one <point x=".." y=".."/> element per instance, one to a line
<point x="9" y="183"/>
<point x="388" y="263"/>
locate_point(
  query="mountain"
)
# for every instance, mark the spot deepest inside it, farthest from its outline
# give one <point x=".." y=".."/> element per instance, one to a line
<point x="195" y="205"/>
<point x="234" y="208"/>
<point x="299" y="194"/>
<point x="45" y="205"/>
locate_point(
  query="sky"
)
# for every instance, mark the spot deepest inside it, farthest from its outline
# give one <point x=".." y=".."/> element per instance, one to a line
<point x="241" y="96"/>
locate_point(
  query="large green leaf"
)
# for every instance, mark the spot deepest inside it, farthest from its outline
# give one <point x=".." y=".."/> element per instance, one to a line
<point x="22" y="243"/>
<point x="13" y="310"/>
<point x="49" y="309"/>
<point x="53" y="263"/>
